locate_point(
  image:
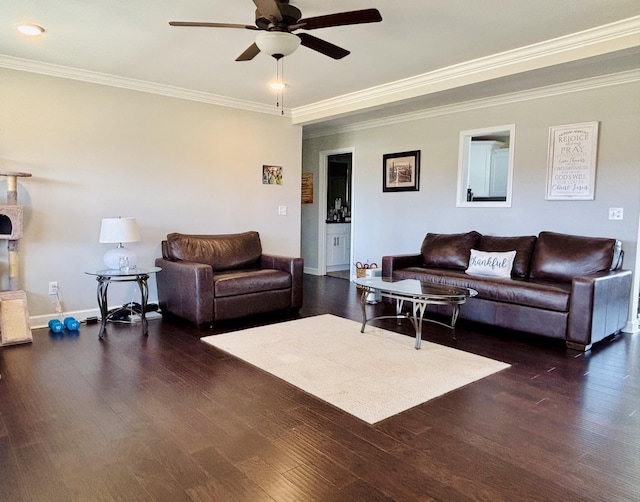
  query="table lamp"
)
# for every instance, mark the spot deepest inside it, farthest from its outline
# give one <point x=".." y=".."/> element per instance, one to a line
<point x="119" y="230"/>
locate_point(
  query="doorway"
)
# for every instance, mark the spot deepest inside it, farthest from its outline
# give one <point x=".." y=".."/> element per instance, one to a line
<point x="335" y="227"/>
<point x="633" y="325"/>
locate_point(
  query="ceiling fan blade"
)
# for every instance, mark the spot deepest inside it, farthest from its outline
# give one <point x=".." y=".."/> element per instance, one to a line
<point x="212" y="25"/>
<point x="322" y="46"/>
<point x="341" y="19"/>
<point x="269" y="9"/>
<point x="251" y="52"/>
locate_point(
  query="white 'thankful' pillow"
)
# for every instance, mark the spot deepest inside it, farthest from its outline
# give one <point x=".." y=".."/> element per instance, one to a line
<point x="491" y="264"/>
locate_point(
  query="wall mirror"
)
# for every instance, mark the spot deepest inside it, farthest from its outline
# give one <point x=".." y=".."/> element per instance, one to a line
<point x="485" y="167"/>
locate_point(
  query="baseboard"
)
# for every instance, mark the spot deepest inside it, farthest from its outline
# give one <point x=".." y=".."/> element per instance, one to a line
<point x="311" y="271"/>
<point x="633" y="326"/>
<point x="338" y="268"/>
<point x="42" y="321"/>
<point x="150" y="316"/>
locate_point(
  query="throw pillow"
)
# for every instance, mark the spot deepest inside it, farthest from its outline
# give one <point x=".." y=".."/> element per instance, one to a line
<point x="523" y="246"/>
<point x="491" y="264"/>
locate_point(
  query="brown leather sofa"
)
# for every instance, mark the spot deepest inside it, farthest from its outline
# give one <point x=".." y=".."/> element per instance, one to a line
<point x="206" y="278"/>
<point x="561" y="286"/>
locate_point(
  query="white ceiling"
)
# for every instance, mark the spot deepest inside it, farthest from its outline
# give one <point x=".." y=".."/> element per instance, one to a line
<point x="421" y="53"/>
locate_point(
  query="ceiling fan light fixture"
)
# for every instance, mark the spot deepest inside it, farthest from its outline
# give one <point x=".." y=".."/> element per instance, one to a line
<point x="277" y="43"/>
<point x="31" y="30"/>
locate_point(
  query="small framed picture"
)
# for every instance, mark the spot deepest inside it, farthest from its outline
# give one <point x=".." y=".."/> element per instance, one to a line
<point x="401" y="172"/>
<point x="271" y="175"/>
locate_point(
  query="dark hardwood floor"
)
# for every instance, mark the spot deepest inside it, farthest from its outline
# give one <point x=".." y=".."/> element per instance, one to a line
<point x="169" y="418"/>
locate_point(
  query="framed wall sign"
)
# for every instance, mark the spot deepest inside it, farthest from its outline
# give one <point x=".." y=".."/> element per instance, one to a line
<point x="307" y="188"/>
<point x="571" y="170"/>
<point x="401" y="171"/>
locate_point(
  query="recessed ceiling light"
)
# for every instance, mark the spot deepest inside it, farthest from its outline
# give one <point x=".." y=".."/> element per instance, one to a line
<point x="31" y="30"/>
<point x="277" y="86"/>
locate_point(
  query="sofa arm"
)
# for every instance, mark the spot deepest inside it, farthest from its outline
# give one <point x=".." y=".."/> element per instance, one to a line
<point x="294" y="266"/>
<point x="185" y="289"/>
<point x="598" y="307"/>
<point x="391" y="263"/>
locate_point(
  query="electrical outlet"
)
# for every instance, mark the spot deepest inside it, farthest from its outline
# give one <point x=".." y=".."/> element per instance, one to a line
<point x="615" y="213"/>
<point x="53" y="288"/>
<point x="282" y="210"/>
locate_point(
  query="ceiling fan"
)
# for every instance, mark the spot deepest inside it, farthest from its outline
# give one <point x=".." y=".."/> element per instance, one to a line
<point x="277" y="19"/>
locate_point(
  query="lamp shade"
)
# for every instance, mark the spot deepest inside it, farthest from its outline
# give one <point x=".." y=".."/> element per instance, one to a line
<point x="277" y="43"/>
<point x="117" y="230"/>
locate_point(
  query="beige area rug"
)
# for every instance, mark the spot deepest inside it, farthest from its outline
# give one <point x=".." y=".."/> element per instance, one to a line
<point x="372" y="375"/>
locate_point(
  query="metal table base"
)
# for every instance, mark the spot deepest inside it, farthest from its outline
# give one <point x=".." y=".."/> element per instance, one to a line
<point x="106" y="277"/>
<point x="418" y="308"/>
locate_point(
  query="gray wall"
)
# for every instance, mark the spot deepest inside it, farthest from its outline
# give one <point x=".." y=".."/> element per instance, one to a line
<point x="176" y="165"/>
<point x="392" y="223"/>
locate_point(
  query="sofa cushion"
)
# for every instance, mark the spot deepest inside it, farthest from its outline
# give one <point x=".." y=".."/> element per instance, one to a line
<point x="221" y="252"/>
<point x="532" y="293"/>
<point x="491" y="264"/>
<point x="244" y="282"/>
<point x="562" y="257"/>
<point x="449" y="251"/>
<point x="523" y="246"/>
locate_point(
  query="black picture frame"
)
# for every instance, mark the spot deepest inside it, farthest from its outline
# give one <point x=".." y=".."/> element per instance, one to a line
<point x="401" y="172"/>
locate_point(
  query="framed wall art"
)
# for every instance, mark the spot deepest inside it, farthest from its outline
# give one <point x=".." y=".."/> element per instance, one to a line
<point x="307" y="188"/>
<point x="401" y="172"/>
<point x="271" y="175"/>
<point x="573" y="152"/>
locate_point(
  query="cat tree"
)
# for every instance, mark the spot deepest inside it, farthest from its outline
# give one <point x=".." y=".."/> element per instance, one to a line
<point x="14" y="314"/>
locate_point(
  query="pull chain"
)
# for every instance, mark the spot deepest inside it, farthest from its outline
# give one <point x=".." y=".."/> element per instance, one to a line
<point x="283" y="85"/>
<point x="278" y="81"/>
<point x="279" y="84"/>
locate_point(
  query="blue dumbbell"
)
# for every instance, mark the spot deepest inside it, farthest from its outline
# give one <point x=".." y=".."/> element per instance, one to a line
<point x="56" y="326"/>
<point x="71" y="324"/>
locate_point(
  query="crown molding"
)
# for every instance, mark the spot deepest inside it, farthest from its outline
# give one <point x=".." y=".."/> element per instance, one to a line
<point x="67" y="72"/>
<point x="611" y="37"/>
<point x="593" y="42"/>
<point x="504" y="99"/>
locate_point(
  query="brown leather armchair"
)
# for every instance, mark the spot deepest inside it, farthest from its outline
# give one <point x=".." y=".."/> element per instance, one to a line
<point x="206" y="278"/>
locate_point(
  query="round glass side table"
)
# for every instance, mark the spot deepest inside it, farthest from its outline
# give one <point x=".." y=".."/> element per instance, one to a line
<point x="139" y="275"/>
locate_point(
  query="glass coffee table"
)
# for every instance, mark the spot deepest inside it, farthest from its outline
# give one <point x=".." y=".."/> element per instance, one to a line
<point x="419" y="294"/>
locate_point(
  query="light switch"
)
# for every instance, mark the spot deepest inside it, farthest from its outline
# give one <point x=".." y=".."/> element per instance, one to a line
<point x="282" y="210"/>
<point x="615" y="213"/>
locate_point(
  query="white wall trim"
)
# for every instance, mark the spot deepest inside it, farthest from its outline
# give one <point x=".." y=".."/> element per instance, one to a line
<point x="67" y="72"/>
<point x="504" y="99"/>
<point x="603" y="39"/>
<point x="42" y="321"/>
<point x="633" y="324"/>
<point x="311" y="270"/>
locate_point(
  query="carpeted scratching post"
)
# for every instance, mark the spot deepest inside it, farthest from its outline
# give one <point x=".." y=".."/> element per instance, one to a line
<point x="14" y="313"/>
